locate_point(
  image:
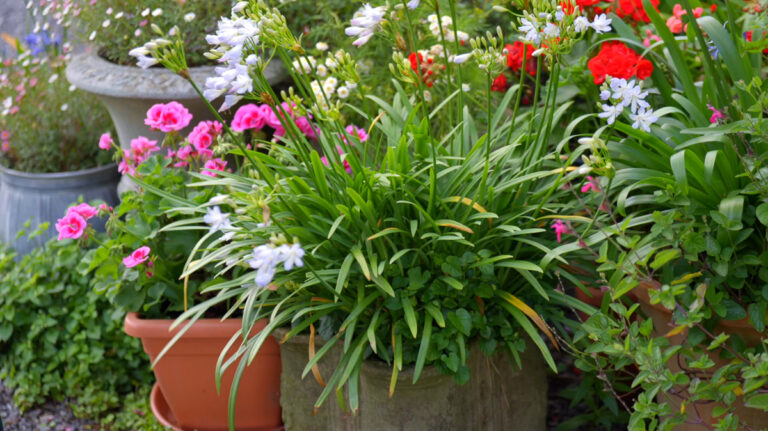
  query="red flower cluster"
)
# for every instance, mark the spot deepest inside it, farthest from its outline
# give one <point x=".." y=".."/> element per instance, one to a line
<point x="619" y="61"/>
<point x="499" y="84"/>
<point x="515" y="53"/>
<point x="748" y="37"/>
<point x="426" y="70"/>
<point x="634" y="9"/>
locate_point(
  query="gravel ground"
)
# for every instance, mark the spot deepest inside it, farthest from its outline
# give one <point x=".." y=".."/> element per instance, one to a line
<point x="51" y="416"/>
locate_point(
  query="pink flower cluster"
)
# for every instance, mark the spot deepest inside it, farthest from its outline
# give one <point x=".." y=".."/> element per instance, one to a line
<point x="675" y="22"/>
<point x="199" y="144"/>
<point x="74" y="223"/>
<point x="168" y="117"/>
<point x="5" y="146"/>
<point x="139" y="256"/>
<point x="254" y="117"/>
<point x="141" y="149"/>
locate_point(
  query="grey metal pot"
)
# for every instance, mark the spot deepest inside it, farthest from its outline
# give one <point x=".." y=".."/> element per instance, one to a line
<point x="128" y="92"/>
<point x="498" y="397"/>
<point x="46" y="197"/>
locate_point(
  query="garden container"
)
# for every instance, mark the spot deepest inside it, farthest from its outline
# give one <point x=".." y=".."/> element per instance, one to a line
<point x="499" y="395"/>
<point x="129" y="91"/>
<point x="662" y="324"/>
<point x="45" y="197"/>
<point x="185" y="396"/>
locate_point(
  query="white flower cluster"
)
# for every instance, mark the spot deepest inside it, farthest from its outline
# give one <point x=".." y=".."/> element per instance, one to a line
<point x="327" y="88"/>
<point x="219" y="222"/>
<point x="545" y="26"/>
<point x="627" y="94"/>
<point x="267" y="257"/>
<point x="365" y="22"/>
<point x="447" y="24"/>
<point x="233" y="41"/>
<point x="143" y="54"/>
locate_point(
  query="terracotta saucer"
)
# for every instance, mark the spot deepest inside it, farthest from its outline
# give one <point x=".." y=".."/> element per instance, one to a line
<point x="165" y="416"/>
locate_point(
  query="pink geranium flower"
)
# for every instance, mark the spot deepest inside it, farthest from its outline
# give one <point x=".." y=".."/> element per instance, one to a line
<point x="305" y="126"/>
<point x="105" y="141"/>
<point x="139" y="256"/>
<point x="203" y="135"/>
<point x="84" y="210"/>
<point x="357" y="131"/>
<point x="214" y="165"/>
<point x="169" y="117"/>
<point x="71" y="226"/>
<point x="249" y="117"/>
<point x="142" y="148"/>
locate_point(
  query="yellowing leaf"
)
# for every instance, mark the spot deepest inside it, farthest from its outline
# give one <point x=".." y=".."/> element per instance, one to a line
<point x="454" y="225"/>
<point x="535" y="318"/>
<point x="316" y="367"/>
<point x="685" y="278"/>
<point x="466" y="201"/>
<point x="675" y="331"/>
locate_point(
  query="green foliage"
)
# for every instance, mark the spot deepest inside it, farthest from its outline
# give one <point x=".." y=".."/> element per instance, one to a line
<point x="155" y="289"/>
<point x="67" y="122"/>
<point x="61" y="340"/>
<point x="115" y="35"/>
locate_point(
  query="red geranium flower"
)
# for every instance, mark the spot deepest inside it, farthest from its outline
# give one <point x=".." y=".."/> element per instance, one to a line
<point x="515" y="57"/>
<point x="499" y="84"/>
<point x="618" y="60"/>
<point x="634" y="9"/>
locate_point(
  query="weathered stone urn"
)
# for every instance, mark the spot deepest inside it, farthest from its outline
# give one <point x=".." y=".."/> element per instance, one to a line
<point x="498" y="397"/>
<point x="129" y="91"/>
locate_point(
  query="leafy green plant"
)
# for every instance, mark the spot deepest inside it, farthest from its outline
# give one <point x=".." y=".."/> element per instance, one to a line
<point x="117" y="26"/>
<point x="678" y="212"/>
<point x="61" y="340"/>
<point x="154" y="288"/>
<point x="34" y="90"/>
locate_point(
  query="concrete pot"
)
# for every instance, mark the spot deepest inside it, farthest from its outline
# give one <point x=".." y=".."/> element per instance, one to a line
<point x="662" y="324"/>
<point x="186" y="376"/>
<point x="128" y="92"/>
<point x="499" y="396"/>
<point x="46" y="197"/>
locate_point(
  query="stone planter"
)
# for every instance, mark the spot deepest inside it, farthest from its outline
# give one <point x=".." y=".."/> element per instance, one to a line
<point x="185" y="396"/>
<point x="128" y="92"/>
<point x="498" y="396"/>
<point x="662" y="324"/>
<point x="46" y="197"/>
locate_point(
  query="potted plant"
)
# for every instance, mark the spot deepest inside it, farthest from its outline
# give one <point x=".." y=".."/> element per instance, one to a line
<point x="685" y="204"/>
<point x="113" y="28"/>
<point x="408" y="252"/>
<point x="140" y="268"/>
<point x="48" y="131"/>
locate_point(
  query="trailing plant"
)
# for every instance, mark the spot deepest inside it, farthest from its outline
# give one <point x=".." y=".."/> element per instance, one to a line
<point x="57" y="334"/>
<point x="678" y="210"/>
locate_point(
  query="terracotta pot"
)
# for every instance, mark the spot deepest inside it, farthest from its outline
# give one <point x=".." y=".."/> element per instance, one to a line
<point x="186" y="376"/>
<point x="662" y="324"/>
<point x="499" y="395"/>
<point x="593" y="296"/>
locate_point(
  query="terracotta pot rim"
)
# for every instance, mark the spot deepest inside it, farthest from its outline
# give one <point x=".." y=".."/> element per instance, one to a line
<point x="643" y="296"/>
<point x="160" y="328"/>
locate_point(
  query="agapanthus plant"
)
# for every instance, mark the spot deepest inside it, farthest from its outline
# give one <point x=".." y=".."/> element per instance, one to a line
<point x="399" y="241"/>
